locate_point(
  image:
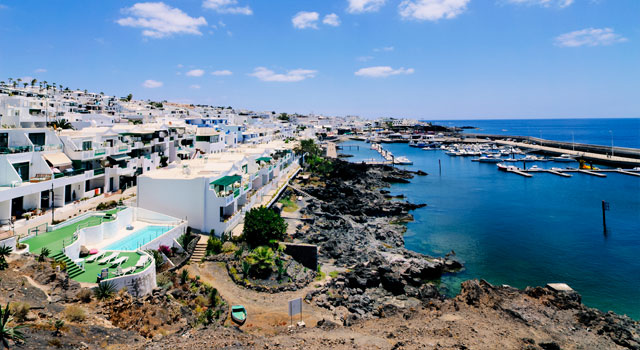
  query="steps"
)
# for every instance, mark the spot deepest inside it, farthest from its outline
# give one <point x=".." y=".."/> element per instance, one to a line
<point x="72" y="269"/>
<point x="201" y="249"/>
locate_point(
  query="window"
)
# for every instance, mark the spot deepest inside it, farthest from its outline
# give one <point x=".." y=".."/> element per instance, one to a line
<point x="86" y="145"/>
<point x="23" y="170"/>
<point x="37" y="138"/>
<point x="202" y="139"/>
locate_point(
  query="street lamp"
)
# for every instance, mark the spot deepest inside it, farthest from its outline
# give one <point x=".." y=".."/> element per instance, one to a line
<point x="611" y="132"/>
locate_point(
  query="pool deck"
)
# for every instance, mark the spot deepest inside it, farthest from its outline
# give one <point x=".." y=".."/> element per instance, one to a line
<point x="92" y="270"/>
<point x="54" y="239"/>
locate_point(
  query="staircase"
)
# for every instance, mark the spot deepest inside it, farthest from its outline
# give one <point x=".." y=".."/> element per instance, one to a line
<point x="72" y="269"/>
<point x="201" y="249"/>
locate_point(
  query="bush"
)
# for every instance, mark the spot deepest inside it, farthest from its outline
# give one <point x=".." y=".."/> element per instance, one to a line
<point x="19" y="311"/>
<point x="261" y="261"/>
<point x="228" y="247"/>
<point x="166" y="250"/>
<point x="184" y="276"/>
<point x="44" y="253"/>
<point x="185" y="239"/>
<point x="263" y="225"/>
<point x="106" y="205"/>
<point x="84" y="295"/>
<point x="75" y="313"/>
<point x="214" y="246"/>
<point x="105" y="290"/>
<point x="157" y="257"/>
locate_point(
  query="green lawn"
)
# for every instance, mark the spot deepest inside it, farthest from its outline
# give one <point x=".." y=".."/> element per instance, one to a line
<point x="92" y="270"/>
<point x="53" y="240"/>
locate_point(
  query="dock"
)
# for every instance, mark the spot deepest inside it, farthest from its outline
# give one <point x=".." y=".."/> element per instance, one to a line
<point x="567" y="172"/>
<point x="626" y="172"/>
<point x="591" y="172"/>
<point x="519" y="172"/>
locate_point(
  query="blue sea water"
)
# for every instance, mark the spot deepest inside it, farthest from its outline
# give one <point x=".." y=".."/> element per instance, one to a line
<point x="624" y="132"/>
<point x="520" y="231"/>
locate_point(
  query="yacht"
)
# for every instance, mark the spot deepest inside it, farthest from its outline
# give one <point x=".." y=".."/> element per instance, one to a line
<point x="402" y="161"/>
<point x="563" y="158"/>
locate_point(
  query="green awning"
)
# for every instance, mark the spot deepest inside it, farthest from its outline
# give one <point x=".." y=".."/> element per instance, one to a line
<point x="263" y="159"/>
<point x="120" y="157"/>
<point x="226" y="180"/>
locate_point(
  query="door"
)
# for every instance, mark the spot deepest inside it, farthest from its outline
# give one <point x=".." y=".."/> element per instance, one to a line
<point x="67" y="194"/>
<point x="111" y="189"/>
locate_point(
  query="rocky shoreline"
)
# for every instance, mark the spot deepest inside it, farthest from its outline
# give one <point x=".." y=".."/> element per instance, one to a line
<point x="359" y="227"/>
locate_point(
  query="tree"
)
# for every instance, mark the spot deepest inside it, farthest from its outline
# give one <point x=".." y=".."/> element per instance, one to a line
<point x="262" y="226"/>
<point x="129" y="97"/>
<point x="8" y="333"/>
<point x="25" y="85"/>
<point x="261" y="261"/>
<point x="33" y="82"/>
<point x="61" y="124"/>
<point x="308" y="146"/>
<point x="4" y="252"/>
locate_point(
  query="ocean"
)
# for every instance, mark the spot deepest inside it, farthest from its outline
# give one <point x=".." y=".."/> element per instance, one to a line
<point x="519" y="231"/>
<point x="624" y="132"/>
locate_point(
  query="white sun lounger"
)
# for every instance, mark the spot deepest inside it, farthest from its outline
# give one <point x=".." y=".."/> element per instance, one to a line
<point x="128" y="270"/>
<point x="119" y="261"/>
<point x="119" y="271"/>
<point x="143" y="260"/>
<point x="94" y="257"/>
<point x="108" y="258"/>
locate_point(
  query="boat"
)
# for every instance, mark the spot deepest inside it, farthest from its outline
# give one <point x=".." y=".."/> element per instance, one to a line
<point x="402" y="161"/>
<point x="489" y="159"/>
<point x="563" y="158"/>
<point x="238" y="314"/>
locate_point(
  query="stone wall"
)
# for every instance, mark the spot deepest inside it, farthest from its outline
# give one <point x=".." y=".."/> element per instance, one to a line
<point x="305" y="254"/>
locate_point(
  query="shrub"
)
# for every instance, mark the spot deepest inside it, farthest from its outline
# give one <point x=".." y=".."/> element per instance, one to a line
<point x="4" y="251"/>
<point x="263" y="225"/>
<point x="261" y="261"/>
<point x="184" y="276"/>
<point x="44" y="253"/>
<point x="185" y="239"/>
<point x="214" y="246"/>
<point x="107" y="205"/>
<point x="228" y="247"/>
<point x="75" y="313"/>
<point x="58" y="325"/>
<point x="238" y="253"/>
<point x="105" y="290"/>
<point x="19" y="311"/>
<point x="214" y="299"/>
<point x="157" y="257"/>
<point x="84" y="295"/>
<point x="165" y="249"/>
<point x="6" y="332"/>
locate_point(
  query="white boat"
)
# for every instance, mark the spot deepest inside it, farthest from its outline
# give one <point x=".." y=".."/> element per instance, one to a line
<point x="563" y="158"/>
<point x="402" y="161"/>
<point x="489" y="160"/>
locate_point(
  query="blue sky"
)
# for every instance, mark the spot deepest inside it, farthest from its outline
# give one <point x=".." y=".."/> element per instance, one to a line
<point x="432" y="59"/>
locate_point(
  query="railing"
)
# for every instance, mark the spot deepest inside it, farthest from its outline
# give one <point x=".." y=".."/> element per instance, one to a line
<point x="99" y="171"/>
<point x="99" y="152"/>
<point x="15" y="149"/>
<point x="236" y="193"/>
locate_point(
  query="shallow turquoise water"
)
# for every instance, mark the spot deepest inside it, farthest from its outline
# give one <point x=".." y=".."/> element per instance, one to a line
<point x="138" y="238"/>
<point x="523" y="232"/>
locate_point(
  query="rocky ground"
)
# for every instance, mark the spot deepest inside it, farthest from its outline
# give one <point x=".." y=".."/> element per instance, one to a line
<point x="358" y="226"/>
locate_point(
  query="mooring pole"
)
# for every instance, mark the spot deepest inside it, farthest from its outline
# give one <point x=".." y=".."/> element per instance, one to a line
<point x="605" y="207"/>
<point x="440" y="166"/>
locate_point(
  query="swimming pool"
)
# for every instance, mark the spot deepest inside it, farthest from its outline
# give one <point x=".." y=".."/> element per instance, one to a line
<point x="138" y="238"/>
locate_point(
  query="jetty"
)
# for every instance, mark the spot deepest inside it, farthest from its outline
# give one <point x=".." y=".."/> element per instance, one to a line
<point x="567" y="172"/>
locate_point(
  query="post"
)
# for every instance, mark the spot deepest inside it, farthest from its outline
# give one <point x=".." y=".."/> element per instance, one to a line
<point x="53" y="207"/>
<point x="605" y="207"/>
<point x="439" y="166"/>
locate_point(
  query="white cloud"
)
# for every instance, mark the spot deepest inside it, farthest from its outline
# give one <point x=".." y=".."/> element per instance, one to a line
<point x="159" y="20"/>
<point x="304" y="19"/>
<point x="331" y="20"/>
<point x="382" y="72"/>
<point x="431" y="10"/>
<point x="223" y="72"/>
<point x="544" y="3"/>
<point x="295" y="75"/>
<point x="180" y="65"/>
<point x="195" y="73"/>
<point x="195" y="86"/>
<point x="227" y="6"/>
<point x="384" y="49"/>
<point x="40" y="70"/>
<point x="360" y="6"/>
<point x="589" y="37"/>
<point x="152" y="84"/>
<point x="364" y="58"/>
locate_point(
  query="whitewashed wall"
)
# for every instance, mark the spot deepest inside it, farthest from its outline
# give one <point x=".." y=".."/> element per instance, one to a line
<point x="138" y="284"/>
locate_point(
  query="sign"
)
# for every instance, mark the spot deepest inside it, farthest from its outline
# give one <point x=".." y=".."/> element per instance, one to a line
<point x="295" y="307"/>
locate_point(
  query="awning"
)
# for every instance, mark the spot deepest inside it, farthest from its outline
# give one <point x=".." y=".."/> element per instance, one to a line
<point x="263" y="159"/>
<point x="58" y="159"/>
<point x="119" y="157"/>
<point x="226" y="180"/>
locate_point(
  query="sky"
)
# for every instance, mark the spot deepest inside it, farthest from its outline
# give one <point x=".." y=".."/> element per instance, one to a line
<point x="424" y="59"/>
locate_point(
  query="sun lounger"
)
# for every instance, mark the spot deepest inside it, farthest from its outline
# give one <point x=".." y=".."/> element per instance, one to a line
<point x="119" y="261"/>
<point x="94" y="257"/>
<point x="108" y="258"/>
<point x="119" y="271"/>
<point x="128" y="270"/>
<point x="142" y="261"/>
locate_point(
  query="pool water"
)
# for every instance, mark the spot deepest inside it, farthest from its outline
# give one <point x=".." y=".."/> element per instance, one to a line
<point x="138" y="238"/>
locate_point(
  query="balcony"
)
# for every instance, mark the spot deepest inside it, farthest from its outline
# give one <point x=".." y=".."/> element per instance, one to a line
<point x="15" y="149"/>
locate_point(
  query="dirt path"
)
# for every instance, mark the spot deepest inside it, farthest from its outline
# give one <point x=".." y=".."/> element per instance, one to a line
<point x="267" y="313"/>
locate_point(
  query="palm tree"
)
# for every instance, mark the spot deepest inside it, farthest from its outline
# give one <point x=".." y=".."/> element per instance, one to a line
<point x="2" y="83"/>
<point x="4" y="252"/>
<point x="25" y="85"/>
<point x="62" y="124"/>
<point x="8" y="333"/>
<point x="33" y="82"/>
<point x="261" y="260"/>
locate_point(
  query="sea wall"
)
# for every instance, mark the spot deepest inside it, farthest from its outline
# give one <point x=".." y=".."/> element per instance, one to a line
<point x="305" y="254"/>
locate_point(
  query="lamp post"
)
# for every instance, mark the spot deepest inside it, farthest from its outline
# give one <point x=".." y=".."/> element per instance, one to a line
<point x="611" y="132"/>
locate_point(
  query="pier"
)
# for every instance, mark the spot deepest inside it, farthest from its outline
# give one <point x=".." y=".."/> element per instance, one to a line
<point x="567" y="172"/>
